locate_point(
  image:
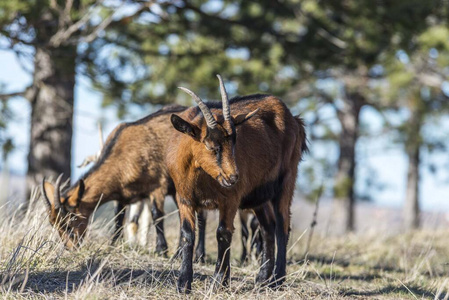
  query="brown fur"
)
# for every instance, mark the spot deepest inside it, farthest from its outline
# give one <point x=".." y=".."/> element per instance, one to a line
<point x="130" y="167"/>
<point x="268" y="148"/>
<point x="267" y="145"/>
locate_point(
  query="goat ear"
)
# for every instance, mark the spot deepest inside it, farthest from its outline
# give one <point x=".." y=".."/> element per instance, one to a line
<point x="49" y="193"/>
<point x="75" y="199"/>
<point x="240" y="119"/>
<point x="183" y="126"/>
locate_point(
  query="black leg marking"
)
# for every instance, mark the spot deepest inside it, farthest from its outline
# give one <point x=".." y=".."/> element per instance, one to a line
<point x="186" y="272"/>
<point x="200" y="251"/>
<point x="281" y="258"/>
<point x="245" y="236"/>
<point x="177" y="254"/>
<point x="222" y="268"/>
<point x="267" y="230"/>
<point x="119" y="217"/>
<point x="157" y="215"/>
<point x="256" y="239"/>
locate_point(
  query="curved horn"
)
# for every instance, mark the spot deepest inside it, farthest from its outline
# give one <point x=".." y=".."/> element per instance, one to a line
<point x="224" y="100"/>
<point x="47" y="202"/>
<point x="58" y="192"/>
<point x="210" y="120"/>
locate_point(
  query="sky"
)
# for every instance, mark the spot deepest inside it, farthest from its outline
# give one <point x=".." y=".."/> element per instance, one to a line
<point x="378" y="154"/>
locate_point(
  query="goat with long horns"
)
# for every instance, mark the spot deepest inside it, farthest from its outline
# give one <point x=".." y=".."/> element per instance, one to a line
<point x="243" y="153"/>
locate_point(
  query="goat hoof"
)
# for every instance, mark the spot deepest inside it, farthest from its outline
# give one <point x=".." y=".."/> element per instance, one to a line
<point x="276" y="283"/>
<point x="262" y="279"/>
<point x="161" y="251"/>
<point x="200" y="259"/>
<point x="218" y="282"/>
<point x="184" y="286"/>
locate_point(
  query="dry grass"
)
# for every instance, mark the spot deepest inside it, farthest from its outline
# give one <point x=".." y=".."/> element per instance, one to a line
<point x="34" y="265"/>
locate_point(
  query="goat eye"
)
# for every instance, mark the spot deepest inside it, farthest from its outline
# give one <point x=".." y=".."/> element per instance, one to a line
<point x="213" y="149"/>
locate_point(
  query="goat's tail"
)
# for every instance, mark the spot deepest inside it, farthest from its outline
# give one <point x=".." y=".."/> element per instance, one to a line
<point x="302" y="135"/>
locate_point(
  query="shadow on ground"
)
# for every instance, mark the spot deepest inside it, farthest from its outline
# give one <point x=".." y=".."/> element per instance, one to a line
<point x="416" y="291"/>
<point x="68" y="281"/>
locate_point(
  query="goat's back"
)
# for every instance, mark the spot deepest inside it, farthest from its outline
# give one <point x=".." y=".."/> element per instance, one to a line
<point x="132" y="160"/>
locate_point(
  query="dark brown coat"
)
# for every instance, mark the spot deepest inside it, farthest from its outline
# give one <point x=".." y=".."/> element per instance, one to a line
<point x="248" y="160"/>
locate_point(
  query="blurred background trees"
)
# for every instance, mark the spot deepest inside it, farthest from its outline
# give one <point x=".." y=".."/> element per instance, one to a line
<point x="327" y="59"/>
<point x="51" y="33"/>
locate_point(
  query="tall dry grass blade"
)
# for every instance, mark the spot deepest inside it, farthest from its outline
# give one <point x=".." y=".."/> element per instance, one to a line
<point x="314" y="220"/>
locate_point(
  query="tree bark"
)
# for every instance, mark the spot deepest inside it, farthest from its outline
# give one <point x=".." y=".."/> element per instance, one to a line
<point x="348" y="116"/>
<point x="411" y="205"/>
<point x="51" y="114"/>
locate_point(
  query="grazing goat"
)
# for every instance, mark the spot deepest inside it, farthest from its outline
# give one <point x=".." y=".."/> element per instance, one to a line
<point x="224" y="161"/>
<point x="134" y="209"/>
<point x="130" y="167"/>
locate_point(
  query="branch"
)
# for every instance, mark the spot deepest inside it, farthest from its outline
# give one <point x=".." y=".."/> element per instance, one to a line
<point x="62" y="35"/>
<point x="188" y="53"/>
<point x="326" y="98"/>
<point x="425" y="73"/>
<point x="20" y="56"/>
<point x="321" y="30"/>
<point x="10" y="95"/>
<point x="94" y="34"/>
<point x="432" y="80"/>
<point x="28" y="93"/>
<point x="15" y="39"/>
<point x="54" y="5"/>
<point x="67" y="9"/>
<point x="110" y="20"/>
<point x="247" y="24"/>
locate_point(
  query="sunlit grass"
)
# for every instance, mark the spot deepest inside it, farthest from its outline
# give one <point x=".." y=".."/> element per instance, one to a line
<point x="35" y="265"/>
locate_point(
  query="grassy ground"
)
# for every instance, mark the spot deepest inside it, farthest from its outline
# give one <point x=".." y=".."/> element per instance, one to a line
<point x="34" y="264"/>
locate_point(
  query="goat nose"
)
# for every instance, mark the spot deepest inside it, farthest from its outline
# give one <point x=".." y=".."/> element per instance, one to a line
<point x="233" y="178"/>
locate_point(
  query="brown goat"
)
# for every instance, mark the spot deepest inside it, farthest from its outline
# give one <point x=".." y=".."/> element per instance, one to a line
<point x="224" y="161"/>
<point x="105" y="177"/>
<point x="134" y="209"/>
<point x="130" y="167"/>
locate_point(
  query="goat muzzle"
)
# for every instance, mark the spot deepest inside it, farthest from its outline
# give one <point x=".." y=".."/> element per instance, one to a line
<point x="227" y="182"/>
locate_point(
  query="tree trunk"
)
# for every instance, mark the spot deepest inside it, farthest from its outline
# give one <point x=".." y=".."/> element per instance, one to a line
<point x="344" y="179"/>
<point x="411" y="205"/>
<point x="51" y="114"/>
